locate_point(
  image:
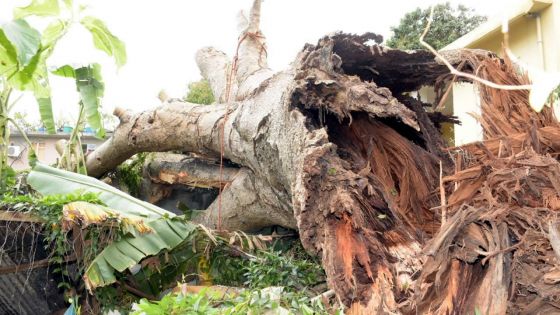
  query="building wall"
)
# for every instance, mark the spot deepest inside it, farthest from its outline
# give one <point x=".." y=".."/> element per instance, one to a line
<point x="550" y="21"/>
<point x="551" y="39"/>
<point x="427" y="94"/>
<point x="466" y="108"/>
<point x="45" y="147"/>
<point x="523" y="41"/>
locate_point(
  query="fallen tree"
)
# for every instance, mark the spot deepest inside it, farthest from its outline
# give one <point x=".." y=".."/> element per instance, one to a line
<point x="334" y="148"/>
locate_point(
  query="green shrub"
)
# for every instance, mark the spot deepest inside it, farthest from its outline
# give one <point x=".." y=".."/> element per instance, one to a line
<point x="130" y="173"/>
<point x="200" y="93"/>
<point x="248" y="302"/>
<point x="275" y="268"/>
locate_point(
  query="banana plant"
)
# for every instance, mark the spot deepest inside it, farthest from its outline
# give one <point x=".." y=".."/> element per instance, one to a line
<point x="90" y="87"/>
<point x="144" y="229"/>
<point x="153" y="229"/>
<point x="24" y="54"/>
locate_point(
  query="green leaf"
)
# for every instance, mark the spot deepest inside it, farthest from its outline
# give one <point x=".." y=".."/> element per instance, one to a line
<point x="32" y="158"/>
<point x="33" y="77"/>
<point x="22" y="79"/>
<point x="200" y="93"/>
<point x="104" y="40"/>
<point x="46" y="112"/>
<point x="65" y="71"/>
<point x="100" y="272"/>
<point x="52" y="33"/>
<point x="25" y="39"/>
<point x="8" y="56"/>
<point x="39" y="8"/>
<point x="49" y="180"/>
<point x="90" y="87"/>
<point x="129" y="250"/>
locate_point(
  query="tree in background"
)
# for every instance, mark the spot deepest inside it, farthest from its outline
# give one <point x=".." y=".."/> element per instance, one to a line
<point x="448" y="24"/>
<point x="200" y="93"/>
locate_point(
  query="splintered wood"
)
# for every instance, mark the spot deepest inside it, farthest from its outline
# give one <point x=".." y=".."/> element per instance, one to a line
<point x="496" y="252"/>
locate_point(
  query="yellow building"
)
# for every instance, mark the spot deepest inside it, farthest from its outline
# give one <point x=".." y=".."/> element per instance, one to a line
<point x="534" y="37"/>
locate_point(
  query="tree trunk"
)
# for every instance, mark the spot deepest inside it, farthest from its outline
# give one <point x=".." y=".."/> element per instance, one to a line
<point x="324" y="147"/>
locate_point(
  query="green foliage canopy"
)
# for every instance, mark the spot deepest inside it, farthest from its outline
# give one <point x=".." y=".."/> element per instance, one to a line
<point x="448" y="24"/>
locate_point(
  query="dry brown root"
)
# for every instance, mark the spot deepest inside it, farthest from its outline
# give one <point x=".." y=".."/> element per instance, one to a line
<point x="497" y="252"/>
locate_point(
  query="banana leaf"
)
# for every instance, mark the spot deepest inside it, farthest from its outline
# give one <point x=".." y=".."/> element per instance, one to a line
<point x="159" y="229"/>
<point x="84" y="214"/>
<point x="130" y="250"/>
<point x="49" y="180"/>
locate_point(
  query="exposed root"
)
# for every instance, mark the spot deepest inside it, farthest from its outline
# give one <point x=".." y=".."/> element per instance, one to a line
<point x="504" y="196"/>
<point x="508" y="112"/>
<point x="370" y="188"/>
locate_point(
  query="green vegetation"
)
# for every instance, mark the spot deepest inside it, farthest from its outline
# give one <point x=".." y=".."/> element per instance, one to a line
<point x="24" y="56"/>
<point x="50" y="210"/>
<point x="448" y="24"/>
<point x="120" y="245"/>
<point x="129" y="173"/>
<point x="133" y="241"/>
<point x="248" y="302"/>
<point x="276" y="268"/>
<point x="555" y="97"/>
<point x="273" y="279"/>
<point x="200" y="93"/>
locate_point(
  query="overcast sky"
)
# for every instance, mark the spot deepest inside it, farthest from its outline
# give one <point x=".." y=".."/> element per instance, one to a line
<point x="162" y="37"/>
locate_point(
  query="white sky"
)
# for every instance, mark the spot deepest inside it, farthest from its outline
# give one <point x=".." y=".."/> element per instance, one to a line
<point x="162" y="37"/>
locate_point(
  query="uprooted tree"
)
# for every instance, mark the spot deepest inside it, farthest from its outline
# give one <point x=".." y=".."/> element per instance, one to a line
<point x="334" y="148"/>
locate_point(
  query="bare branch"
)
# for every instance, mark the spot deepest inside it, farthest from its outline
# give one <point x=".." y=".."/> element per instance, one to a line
<point x="255" y="17"/>
<point x="215" y="67"/>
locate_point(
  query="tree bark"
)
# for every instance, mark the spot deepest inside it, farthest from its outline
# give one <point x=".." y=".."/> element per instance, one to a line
<point x="321" y="147"/>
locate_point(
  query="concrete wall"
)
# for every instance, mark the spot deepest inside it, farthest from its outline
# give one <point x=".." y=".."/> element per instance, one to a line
<point x="523" y="40"/>
<point x="44" y="146"/>
<point x="427" y="95"/>
<point x="466" y="102"/>
<point x="550" y="21"/>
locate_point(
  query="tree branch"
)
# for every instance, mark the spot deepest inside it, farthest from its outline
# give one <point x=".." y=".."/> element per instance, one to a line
<point x="215" y="67"/>
<point x="179" y="169"/>
<point x="173" y="126"/>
